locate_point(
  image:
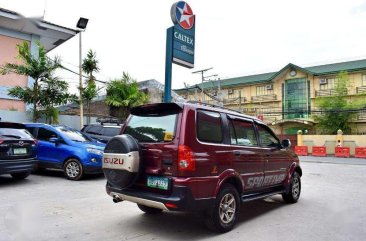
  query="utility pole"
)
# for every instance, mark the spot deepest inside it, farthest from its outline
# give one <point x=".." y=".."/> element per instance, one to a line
<point x="203" y="78"/>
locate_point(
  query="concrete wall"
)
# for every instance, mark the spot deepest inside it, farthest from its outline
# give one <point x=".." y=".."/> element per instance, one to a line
<point x="329" y="141"/>
<point x="23" y="117"/>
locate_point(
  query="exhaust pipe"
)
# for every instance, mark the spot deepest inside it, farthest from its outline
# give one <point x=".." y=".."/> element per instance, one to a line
<point x="116" y="199"/>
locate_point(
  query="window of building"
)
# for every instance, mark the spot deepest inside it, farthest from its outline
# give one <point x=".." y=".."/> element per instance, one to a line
<point x="209" y="127"/>
<point x="330" y="84"/>
<point x="242" y="133"/>
<point x="266" y="137"/>
<point x="264" y="90"/>
<point x="364" y="80"/>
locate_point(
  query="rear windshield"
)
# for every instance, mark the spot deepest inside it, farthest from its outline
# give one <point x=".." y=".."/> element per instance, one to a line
<point x="15" y="133"/>
<point x="152" y="128"/>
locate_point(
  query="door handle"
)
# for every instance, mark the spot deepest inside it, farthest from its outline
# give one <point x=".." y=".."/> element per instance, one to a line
<point x="237" y="153"/>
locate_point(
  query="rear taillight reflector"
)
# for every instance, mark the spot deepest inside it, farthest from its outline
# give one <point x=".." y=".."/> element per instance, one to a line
<point x="171" y="205"/>
<point x="186" y="162"/>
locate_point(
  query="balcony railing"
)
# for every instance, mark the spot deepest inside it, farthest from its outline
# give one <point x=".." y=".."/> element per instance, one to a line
<point x="263" y="98"/>
<point x="236" y="100"/>
<point x="361" y="90"/>
<point x="330" y="92"/>
<point x="361" y="116"/>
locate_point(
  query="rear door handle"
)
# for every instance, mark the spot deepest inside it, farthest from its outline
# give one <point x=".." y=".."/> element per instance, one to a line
<point x="237" y="153"/>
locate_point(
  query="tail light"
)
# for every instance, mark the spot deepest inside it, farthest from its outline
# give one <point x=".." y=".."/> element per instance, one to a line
<point x="186" y="162"/>
<point x="35" y="142"/>
<point x="1" y="141"/>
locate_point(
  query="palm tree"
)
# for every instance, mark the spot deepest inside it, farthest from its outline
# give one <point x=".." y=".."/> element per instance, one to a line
<point x="89" y="66"/>
<point x="37" y="67"/>
<point x="122" y="94"/>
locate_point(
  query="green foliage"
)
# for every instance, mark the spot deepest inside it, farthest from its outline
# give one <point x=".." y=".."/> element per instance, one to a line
<point x="54" y="92"/>
<point x="46" y="91"/>
<point x="89" y="66"/>
<point x="336" y="108"/>
<point x="122" y="94"/>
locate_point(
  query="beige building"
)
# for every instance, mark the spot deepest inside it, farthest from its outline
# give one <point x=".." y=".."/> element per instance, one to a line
<point x="14" y="29"/>
<point x="286" y="99"/>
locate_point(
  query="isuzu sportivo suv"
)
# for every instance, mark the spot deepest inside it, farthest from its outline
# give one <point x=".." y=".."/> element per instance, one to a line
<point x="195" y="157"/>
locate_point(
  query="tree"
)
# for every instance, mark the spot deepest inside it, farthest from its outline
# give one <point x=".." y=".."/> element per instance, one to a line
<point x="122" y="94"/>
<point x="89" y="66"/>
<point x="37" y="67"/>
<point x="54" y="92"/>
<point x="336" y="108"/>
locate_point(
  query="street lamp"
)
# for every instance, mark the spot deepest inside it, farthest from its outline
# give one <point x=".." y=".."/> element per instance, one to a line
<point x="81" y="25"/>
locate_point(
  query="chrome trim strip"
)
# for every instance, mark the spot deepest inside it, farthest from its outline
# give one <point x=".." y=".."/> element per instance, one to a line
<point x="146" y="202"/>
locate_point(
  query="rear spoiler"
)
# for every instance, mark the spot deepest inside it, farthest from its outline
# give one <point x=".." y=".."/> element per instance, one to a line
<point x="159" y="109"/>
<point x="11" y="125"/>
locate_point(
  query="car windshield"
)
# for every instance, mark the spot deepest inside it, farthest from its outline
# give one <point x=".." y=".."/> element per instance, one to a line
<point x="152" y="128"/>
<point x="73" y="134"/>
<point x="15" y="133"/>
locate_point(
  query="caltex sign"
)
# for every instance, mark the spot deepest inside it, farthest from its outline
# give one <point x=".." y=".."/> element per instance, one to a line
<point x="179" y="42"/>
<point x="183" y="34"/>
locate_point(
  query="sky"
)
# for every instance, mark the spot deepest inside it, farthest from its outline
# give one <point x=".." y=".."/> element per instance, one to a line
<point x="234" y="37"/>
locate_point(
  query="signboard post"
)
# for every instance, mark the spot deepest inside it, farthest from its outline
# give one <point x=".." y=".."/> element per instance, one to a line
<point x="180" y="42"/>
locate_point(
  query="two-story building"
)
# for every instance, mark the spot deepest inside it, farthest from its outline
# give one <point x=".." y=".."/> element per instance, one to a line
<point x="285" y="99"/>
<point x="14" y="29"/>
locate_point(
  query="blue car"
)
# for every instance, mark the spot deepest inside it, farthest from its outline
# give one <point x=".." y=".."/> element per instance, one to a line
<point x="67" y="149"/>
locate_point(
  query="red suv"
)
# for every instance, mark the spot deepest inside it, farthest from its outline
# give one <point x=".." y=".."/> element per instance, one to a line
<point x="195" y="157"/>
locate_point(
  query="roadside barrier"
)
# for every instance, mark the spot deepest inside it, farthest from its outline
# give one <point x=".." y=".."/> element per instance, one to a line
<point x="342" y="152"/>
<point x="319" y="151"/>
<point x="301" y="150"/>
<point x="360" y="152"/>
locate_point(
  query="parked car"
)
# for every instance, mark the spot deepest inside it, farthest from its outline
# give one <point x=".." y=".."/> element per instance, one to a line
<point x="67" y="149"/>
<point x="17" y="150"/>
<point x="200" y="158"/>
<point x="102" y="132"/>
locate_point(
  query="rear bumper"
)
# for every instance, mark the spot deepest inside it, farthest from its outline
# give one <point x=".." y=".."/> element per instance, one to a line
<point x="14" y="166"/>
<point x="180" y="199"/>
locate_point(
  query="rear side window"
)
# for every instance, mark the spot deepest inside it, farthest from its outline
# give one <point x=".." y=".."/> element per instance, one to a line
<point x="242" y="133"/>
<point x="209" y="127"/>
<point x="110" y="131"/>
<point x="94" y="130"/>
<point x="45" y="135"/>
<point x="152" y="128"/>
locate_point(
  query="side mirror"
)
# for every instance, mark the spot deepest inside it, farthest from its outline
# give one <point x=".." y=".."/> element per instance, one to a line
<point x="54" y="140"/>
<point x="286" y="143"/>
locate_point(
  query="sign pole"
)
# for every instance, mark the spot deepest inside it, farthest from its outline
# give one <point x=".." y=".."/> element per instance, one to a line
<point x="168" y="65"/>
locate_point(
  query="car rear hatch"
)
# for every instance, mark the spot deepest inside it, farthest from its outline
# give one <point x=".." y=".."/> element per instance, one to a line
<point x="15" y="142"/>
<point x="156" y="128"/>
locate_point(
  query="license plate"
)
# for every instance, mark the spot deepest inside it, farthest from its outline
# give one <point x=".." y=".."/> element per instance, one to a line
<point x="19" y="151"/>
<point x="158" y="182"/>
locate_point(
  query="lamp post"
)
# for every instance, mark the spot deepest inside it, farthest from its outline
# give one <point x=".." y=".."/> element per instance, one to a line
<point x="81" y="25"/>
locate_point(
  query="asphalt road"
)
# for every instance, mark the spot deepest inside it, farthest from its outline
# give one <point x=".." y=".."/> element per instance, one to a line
<point x="332" y="206"/>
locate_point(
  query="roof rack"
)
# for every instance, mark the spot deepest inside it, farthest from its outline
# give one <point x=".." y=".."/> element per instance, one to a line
<point x="211" y="105"/>
<point x="111" y="120"/>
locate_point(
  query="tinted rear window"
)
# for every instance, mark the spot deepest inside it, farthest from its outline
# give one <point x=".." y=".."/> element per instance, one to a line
<point x="209" y="128"/>
<point x="152" y="128"/>
<point x="111" y="131"/>
<point x="15" y="133"/>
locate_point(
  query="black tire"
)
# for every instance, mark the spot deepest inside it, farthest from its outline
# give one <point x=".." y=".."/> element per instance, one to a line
<point x="73" y="170"/>
<point x="20" y="175"/>
<point x="222" y="217"/>
<point x="149" y="210"/>
<point x="122" y="144"/>
<point x="292" y="193"/>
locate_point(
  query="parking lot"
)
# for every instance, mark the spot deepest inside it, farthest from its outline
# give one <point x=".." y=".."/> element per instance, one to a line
<point x="48" y="207"/>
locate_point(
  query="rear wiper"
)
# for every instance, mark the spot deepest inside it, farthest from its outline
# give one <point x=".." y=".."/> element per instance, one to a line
<point x="14" y="136"/>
